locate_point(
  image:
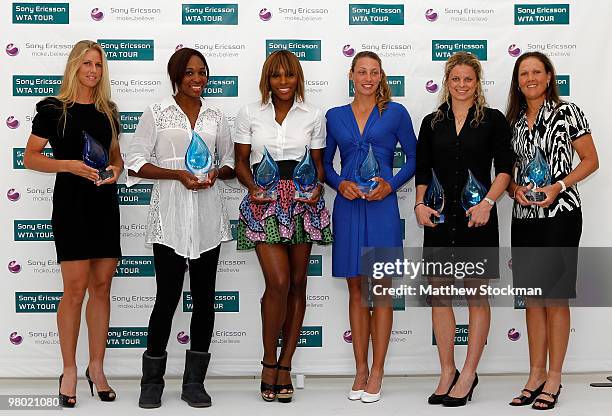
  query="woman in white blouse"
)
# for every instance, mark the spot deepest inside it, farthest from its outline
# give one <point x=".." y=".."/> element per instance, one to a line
<point x="281" y="230"/>
<point x="187" y="220"/>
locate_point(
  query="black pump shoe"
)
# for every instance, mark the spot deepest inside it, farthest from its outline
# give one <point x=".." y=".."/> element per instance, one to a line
<point x="106" y="395"/>
<point x="527" y="400"/>
<point x="437" y="398"/>
<point x="450" y="401"/>
<point x="66" y="401"/>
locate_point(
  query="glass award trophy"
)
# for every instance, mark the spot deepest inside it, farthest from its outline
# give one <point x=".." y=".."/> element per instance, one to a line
<point x="305" y="177"/>
<point x="537" y="174"/>
<point x="95" y="156"/>
<point x="368" y="170"/>
<point x="473" y="192"/>
<point x="267" y="176"/>
<point x="434" y="198"/>
<point x="198" y="159"/>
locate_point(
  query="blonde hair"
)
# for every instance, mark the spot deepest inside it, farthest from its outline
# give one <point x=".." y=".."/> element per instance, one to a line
<point x="383" y="92"/>
<point x="274" y="62"/>
<point x="69" y="89"/>
<point x="462" y="58"/>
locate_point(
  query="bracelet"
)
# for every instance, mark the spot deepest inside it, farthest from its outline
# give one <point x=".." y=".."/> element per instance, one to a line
<point x="489" y="200"/>
<point x="563" y="187"/>
<point x="417" y="204"/>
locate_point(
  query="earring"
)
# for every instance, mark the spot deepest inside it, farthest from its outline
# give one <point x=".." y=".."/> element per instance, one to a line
<point x="547" y="84"/>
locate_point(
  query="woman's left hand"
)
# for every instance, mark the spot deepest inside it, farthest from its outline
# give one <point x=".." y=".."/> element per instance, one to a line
<point x="551" y="191"/>
<point x="479" y="214"/>
<point x="212" y="178"/>
<point x="116" y="172"/>
<point x="316" y="194"/>
<point x="381" y="191"/>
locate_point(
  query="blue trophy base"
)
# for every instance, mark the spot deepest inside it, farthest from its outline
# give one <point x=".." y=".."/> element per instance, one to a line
<point x="202" y="177"/>
<point x="303" y="195"/>
<point x="367" y="188"/>
<point x="268" y="194"/>
<point x="438" y="220"/>
<point x="535" y="196"/>
<point x="105" y="174"/>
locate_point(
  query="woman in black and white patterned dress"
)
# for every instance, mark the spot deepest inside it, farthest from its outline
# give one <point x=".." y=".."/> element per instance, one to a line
<point x="546" y="234"/>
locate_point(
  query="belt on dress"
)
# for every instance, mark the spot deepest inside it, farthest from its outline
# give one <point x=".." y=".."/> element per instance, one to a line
<point x="285" y="168"/>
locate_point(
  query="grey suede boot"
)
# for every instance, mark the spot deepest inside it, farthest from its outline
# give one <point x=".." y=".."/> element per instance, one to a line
<point x="152" y="382"/>
<point x="194" y="393"/>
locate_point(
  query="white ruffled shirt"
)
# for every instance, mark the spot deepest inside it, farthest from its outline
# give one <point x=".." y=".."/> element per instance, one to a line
<point x="189" y="222"/>
<point x="256" y="125"/>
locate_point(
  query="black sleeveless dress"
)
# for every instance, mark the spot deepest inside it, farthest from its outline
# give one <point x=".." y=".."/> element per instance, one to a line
<point x="85" y="217"/>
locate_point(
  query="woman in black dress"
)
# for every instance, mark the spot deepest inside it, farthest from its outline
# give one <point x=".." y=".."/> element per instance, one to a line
<point x="85" y="216"/>
<point x="462" y="134"/>
<point x="546" y="234"/>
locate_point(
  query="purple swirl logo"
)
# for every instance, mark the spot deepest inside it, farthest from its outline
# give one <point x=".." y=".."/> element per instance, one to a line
<point x="431" y="86"/>
<point x="12" y="50"/>
<point x="348" y="51"/>
<point x="431" y="15"/>
<point x="514" y="50"/>
<point x="182" y="337"/>
<point x="265" y="14"/>
<point x="348" y="336"/>
<point x="15" y="338"/>
<point x="12" y="123"/>
<point x="14" y="267"/>
<point x="513" y="334"/>
<point x="179" y="46"/>
<point x="97" y="14"/>
<point x="13" y="195"/>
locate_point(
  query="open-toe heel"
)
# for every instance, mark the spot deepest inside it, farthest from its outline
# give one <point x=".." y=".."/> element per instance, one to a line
<point x="66" y="401"/>
<point x="287" y="395"/>
<point x="268" y="391"/>
<point x="106" y="395"/>
<point x="545" y="404"/>
<point x="527" y="400"/>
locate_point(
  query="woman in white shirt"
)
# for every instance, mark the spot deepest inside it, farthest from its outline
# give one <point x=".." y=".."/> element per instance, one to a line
<point x="187" y="220"/>
<point x="281" y="230"/>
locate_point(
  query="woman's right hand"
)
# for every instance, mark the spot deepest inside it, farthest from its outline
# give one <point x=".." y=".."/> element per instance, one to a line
<point x="79" y="168"/>
<point x="519" y="195"/>
<point x="189" y="180"/>
<point x="350" y="190"/>
<point x="423" y="215"/>
<point x="257" y="196"/>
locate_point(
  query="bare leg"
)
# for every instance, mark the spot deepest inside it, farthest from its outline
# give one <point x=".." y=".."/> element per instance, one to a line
<point x="98" y="314"/>
<point x="75" y="278"/>
<point x="443" y="322"/>
<point x="359" y="318"/>
<point x="381" y="323"/>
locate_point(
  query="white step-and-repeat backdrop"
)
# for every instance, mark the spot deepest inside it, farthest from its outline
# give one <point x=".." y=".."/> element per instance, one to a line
<point x="413" y="39"/>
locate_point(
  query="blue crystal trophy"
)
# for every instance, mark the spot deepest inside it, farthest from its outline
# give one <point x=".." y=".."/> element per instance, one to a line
<point x="434" y="198"/>
<point x="96" y="156"/>
<point x="267" y="176"/>
<point x="368" y="170"/>
<point x="537" y="174"/>
<point x="198" y="158"/>
<point x="305" y="177"/>
<point x="473" y="192"/>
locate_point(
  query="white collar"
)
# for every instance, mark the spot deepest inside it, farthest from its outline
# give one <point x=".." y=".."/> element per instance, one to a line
<point x="169" y="102"/>
<point x="296" y="104"/>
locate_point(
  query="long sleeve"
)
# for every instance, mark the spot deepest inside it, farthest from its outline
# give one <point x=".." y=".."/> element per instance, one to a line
<point x="407" y="139"/>
<point x="502" y="150"/>
<point x="225" y="145"/>
<point x="140" y="149"/>
<point x="424" y="154"/>
<point x="331" y="176"/>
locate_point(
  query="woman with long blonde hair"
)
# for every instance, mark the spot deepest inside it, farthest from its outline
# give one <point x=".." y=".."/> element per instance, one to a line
<point x="85" y="217"/>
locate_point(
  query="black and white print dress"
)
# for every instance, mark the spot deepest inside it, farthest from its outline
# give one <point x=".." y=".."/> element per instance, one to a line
<point x="555" y="128"/>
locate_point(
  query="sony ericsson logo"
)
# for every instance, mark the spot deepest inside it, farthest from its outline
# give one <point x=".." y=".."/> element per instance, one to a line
<point x="135" y="195"/>
<point x="315" y="265"/>
<point x="513" y="334"/>
<point x="135" y="266"/>
<point x="128" y="49"/>
<point x="12" y="123"/>
<point x="397" y="84"/>
<point x="15" y="338"/>
<point x="18" y="153"/>
<point x="431" y="86"/>
<point x="376" y="14"/>
<point x="431" y="15"/>
<point x="37" y="302"/>
<point x="36" y="85"/>
<point x="514" y="50"/>
<point x="127" y="337"/>
<point x="32" y="230"/>
<point x="541" y="14"/>
<point x="14" y="266"/>
<point x="310" y="336"/>
<point x="12" y="49"/>
<point x="225" y="301"/>
<point x="265" y="14"/>
<point x="441" y="50"/>
<point x="13" y="195"/>
<point x="129" y="121"/>
<point x="461" y="335"/>
<point x="182" y="337"/>
<point x="348" y="51"/>
<point x="305" y="50"/>
<point x="97" y="14"/>
<point x="563" y="85"/>
<point x="41" y="13"/>
<point x="221" y="86"/>
<point x="210" y="14"/>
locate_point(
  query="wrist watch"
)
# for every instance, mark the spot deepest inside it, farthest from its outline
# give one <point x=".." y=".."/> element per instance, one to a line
<point x="489" y="200"/>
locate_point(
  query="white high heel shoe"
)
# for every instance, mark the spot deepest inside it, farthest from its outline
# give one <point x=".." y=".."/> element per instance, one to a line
<point x="371" y="397"/>
<point x="355" y="395"/>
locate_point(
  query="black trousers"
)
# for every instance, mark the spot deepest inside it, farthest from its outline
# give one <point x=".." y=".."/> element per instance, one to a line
<point x="169" y="274"/>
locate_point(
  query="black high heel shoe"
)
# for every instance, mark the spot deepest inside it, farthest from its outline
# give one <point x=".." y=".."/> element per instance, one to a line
<point x="268" y="391"/>
<point x="546" y="404"/>
<point x="65" y="400"/>
<point x="437" y="398"/>
<point x="286" y="396"/>
<point x="106" y="395"/>
<point x="527" y="400"/>
<point x="450" y="401"/>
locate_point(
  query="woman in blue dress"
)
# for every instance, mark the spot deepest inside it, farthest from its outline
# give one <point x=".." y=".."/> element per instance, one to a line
<point x="367" y="220"/>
